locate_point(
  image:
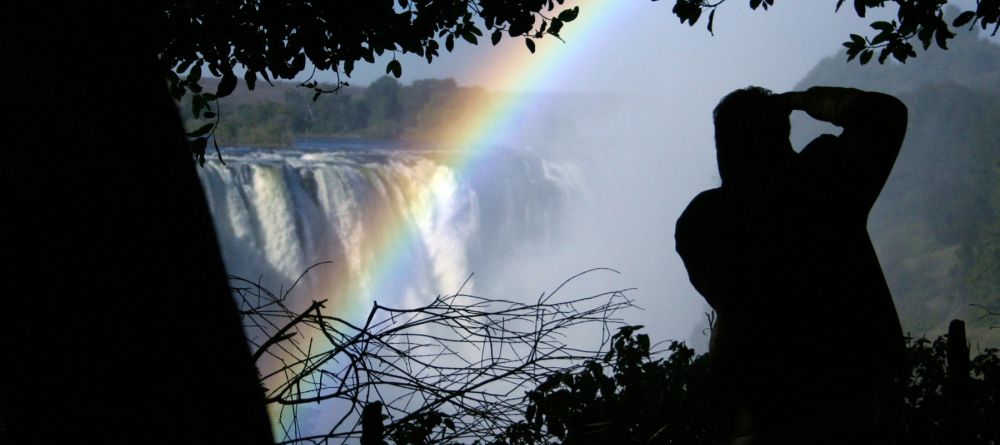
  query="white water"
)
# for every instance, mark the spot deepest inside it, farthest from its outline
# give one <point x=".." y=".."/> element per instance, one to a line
<point x="277" y="212"/>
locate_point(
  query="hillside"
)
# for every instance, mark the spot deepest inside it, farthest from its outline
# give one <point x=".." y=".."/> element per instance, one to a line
<point x="936" y="225"/>
<point x="277" y="115"/>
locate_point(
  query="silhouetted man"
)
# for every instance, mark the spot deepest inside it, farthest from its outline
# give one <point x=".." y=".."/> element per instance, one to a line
<point x="807" y="339"/>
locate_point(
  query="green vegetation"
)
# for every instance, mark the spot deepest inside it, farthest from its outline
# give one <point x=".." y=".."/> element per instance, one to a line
<point x="937" y="223"/>
<point x="384" y="110"/>
<point x="637" y="395"/>
<point x="270" y="42"/>
<point x="634" y="395"/>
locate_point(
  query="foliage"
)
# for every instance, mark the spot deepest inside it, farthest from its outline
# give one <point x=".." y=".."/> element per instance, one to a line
<point x="640" y="400"/>
<point x="416" y="363"/>
<point x="445" y="372"/>
<point x="661" y="401"/>
<point x="928" y="396"/>
<point x="384" y="110"/>
<point x="268" y="40"/>
<point x="920" y="19"/>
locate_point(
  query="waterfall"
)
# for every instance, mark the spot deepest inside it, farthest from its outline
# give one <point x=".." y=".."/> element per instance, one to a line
<point x="277" y="212"/>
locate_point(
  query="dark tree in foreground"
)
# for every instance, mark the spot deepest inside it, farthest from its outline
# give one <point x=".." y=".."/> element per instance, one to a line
<point x="116" y="321"/>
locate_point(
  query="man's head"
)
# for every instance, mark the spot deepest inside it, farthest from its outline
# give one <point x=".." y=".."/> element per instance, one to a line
<point x="751" y="133"/>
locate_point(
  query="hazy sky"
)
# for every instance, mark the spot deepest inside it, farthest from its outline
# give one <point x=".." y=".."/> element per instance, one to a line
<point x="640" y="46"/>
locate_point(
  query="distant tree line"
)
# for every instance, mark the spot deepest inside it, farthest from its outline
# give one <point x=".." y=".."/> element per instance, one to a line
<point x="385" y="109"/>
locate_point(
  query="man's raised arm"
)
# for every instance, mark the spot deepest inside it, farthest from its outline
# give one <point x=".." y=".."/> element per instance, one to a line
<point x="874" y="125"/>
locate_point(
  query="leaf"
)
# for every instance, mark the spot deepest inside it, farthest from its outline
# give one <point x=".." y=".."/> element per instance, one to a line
<point x="711" y="21"/>
<point x="941" y="37"/>
<point x="299" y="62"/>
<point x="197" y="104"/>
<point x="643" y="343"/>
<point x="881" y="37"/>
<point x="250" y="77"/>
<point x="963" y="18"/>
<point x="883" y="26"/>
<point x="195" y="75"/>
<point x="866" y="56"/>
<point x="555" y="27"/>
<point x="859" y="7"/>
<point x="496" y="36"/>
<point x="470" y="37"/>
<point x="531" y="45"/>
<point x="695" y="13"/>
<point x="201" y="131"/>
<point x="226" y="85"/>
<point x="198" y="147"/>
<point x="449" y="42"/>
<point x="568" y="15"/>
<point x="519" y="27"/>
<point x="925" y="34"/>
<point x="395" y="68"/>
<point x="853" y="49"/>
<point x="184" y="65"/>
<point x="883" y="55"/>
<point x="754" y="4"/>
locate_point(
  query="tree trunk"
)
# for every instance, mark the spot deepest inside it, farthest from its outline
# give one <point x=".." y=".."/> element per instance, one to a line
<point x="117" y="322"/>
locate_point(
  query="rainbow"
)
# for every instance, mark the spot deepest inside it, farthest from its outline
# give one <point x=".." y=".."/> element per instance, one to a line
<point x="471" y="139"/>
<point x="483" y="127"/>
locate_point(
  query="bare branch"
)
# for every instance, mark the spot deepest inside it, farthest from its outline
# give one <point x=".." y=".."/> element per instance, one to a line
<point x="462" y="357"/>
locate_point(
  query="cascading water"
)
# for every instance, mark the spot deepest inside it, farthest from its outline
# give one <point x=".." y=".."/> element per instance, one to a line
<point x="361" y="205"/>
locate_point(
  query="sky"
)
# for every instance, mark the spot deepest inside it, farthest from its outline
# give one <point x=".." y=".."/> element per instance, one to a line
<point x="636" y="46"/>
<point x="653" y="83"/>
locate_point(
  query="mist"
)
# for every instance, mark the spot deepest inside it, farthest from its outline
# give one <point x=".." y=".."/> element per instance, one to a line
<point x="634" y="104"/>
<point x="626" y="101"/>
<point x="631" y="100"/>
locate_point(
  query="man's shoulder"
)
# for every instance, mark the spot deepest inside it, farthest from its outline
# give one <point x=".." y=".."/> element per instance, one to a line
<point x="706" y="200"/>
<point x="701" y="209"/>
<point x="824" y="145"/>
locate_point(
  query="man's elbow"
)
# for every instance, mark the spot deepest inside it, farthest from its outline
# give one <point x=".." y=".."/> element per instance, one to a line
<point x="891" y="112"/>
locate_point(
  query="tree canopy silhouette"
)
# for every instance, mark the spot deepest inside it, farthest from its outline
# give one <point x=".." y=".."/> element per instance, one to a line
<point x="265" y="40"/>
<point x="279" y="41"/>
<point x="921" y="19"/>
